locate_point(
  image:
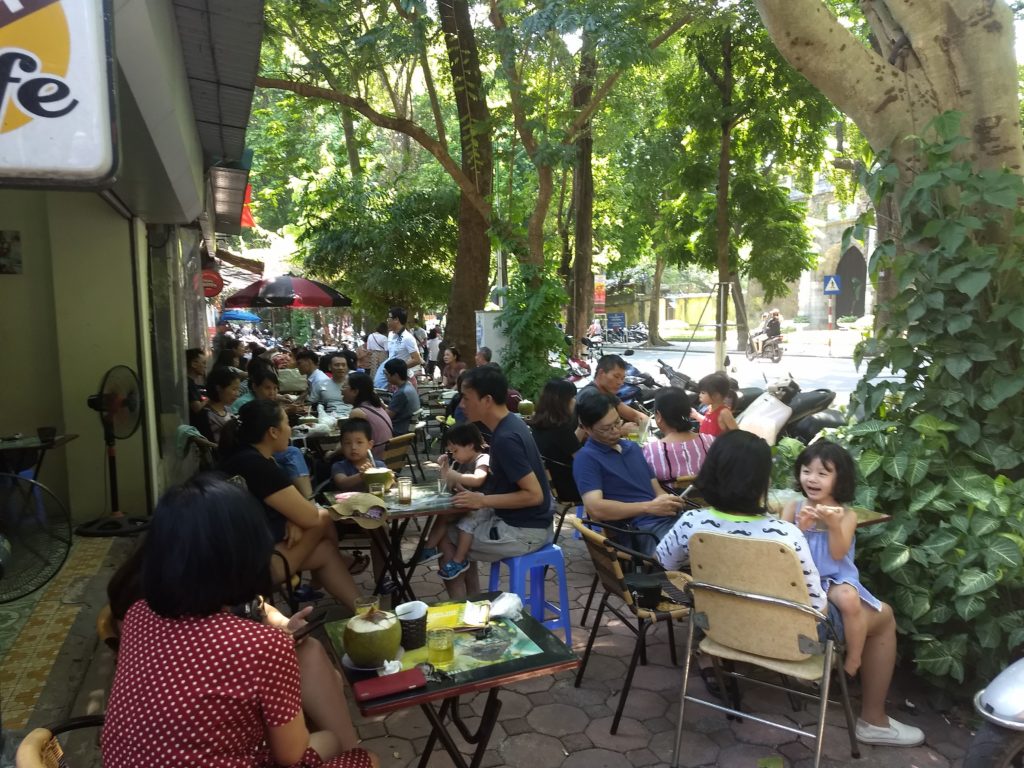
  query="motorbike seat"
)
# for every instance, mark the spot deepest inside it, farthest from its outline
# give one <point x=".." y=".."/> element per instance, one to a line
<point x="812" y="401"/>
<point x="745" y="397"/>
<point x="806" y="428"/>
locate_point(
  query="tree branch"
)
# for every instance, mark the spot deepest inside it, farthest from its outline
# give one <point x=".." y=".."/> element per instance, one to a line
<point x="508" y="63"/>
<point x="875" y="94"/>
<point x="605" y="88"/>
<point x="392" y="123"/>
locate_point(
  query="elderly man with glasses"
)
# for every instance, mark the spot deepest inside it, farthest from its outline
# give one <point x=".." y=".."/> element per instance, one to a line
<point x="614" y="479"/>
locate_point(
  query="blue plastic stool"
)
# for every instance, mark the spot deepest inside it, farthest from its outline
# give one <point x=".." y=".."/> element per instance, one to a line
<point x="536" y="563"/>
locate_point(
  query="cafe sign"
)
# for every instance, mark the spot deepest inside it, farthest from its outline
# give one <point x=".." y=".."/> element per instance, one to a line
<point x="56" y="93"/>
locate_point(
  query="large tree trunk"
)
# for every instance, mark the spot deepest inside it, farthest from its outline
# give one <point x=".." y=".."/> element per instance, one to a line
<point x="351" y="148"/>
<point x="473" y="258"/>
<point x="583" y="198"/>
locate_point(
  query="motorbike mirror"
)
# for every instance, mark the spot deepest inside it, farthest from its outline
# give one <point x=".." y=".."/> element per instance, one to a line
<point x="627" y="353"/>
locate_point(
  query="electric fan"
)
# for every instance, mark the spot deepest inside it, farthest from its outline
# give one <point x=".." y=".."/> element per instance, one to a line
<point x="35" y="536"/>
<point x="119" y="405"/>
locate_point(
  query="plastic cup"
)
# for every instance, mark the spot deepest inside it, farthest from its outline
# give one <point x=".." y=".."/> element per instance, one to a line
<point x="441" y="647"/>
<point x="413" y="618"/>
<point x="442" y="486"/>
<point x="377" y="489"/>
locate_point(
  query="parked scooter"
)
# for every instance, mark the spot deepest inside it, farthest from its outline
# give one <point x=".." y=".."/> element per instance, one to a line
<point x="999" y="742"/>
<point x="771" y="349"/>
<point x="784" y="411"/>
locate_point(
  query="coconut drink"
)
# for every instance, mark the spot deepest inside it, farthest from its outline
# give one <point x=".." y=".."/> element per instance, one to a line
<point x="526" y="408"/>
<point x="372" y="638"/>
<point x="381" y="475"/>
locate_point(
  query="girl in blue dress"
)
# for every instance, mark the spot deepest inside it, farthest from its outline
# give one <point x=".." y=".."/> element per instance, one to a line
<point x="826" y="475"/>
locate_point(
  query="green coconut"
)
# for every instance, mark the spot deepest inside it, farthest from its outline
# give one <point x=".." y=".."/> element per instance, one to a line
<point x="372" y="638"/>
<point x="526" y="408"/>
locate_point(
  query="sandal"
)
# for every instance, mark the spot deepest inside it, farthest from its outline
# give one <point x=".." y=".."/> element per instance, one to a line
<point x="359" y="563"/>
<point x="707" y="674"/>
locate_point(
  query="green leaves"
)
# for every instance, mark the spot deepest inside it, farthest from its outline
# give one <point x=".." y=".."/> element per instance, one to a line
<point x="934" y="440"/>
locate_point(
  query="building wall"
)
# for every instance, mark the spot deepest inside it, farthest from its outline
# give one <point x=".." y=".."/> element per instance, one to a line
<point x="28" y="333"/>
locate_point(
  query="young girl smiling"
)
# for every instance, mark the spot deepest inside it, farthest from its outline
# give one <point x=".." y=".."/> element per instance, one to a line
<point x="827" y="477"/>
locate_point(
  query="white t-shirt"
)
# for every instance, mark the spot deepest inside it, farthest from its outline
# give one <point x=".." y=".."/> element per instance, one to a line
<point x="401" y="345"/>
<point x="674" y="554"/>
<point x="433" y="347"/>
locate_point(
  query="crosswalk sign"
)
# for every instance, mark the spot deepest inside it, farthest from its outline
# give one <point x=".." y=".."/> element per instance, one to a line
<point x="832" y="283"/>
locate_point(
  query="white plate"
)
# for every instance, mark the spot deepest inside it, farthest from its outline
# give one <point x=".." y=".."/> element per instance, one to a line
<point x="347" y="662"/>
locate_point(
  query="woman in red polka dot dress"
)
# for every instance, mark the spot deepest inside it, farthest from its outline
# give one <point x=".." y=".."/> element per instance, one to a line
<point x="197" y="685"/>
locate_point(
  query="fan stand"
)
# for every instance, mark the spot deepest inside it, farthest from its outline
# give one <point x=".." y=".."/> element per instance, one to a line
<point x="117" y="523"/>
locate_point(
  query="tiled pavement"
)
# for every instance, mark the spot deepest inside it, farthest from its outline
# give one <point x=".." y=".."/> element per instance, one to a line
<point x="543" y="723"/>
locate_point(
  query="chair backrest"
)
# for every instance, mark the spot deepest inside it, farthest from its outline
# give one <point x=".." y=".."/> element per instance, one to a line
<point x="396" y="451"/>
<point x="768" y="610"/>
<point x="607" y="563"/>
<point x="40" y="748"/>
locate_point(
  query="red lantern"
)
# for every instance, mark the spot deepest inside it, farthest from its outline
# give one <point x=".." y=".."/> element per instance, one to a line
<point x="213" y="283"/>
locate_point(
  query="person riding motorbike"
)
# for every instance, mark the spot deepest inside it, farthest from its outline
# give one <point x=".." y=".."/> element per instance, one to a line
<point x="772" y="327"/>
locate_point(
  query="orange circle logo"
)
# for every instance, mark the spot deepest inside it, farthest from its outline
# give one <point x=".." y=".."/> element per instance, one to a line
<point x="35" y="50"/>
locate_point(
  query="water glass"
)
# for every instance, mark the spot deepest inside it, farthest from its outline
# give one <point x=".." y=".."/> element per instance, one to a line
<point x="440" y="647"/>
<point x="377" y="489"/>
<point x="367" y="604"/>
<point x="442" y="485"/>
<point x="405" y="490"/>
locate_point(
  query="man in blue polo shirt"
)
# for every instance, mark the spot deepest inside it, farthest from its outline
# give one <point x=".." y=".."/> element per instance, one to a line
<point x="615" y="481"/>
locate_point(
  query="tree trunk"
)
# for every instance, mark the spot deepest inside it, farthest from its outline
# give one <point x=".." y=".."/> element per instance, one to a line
<point x="583" y="198"/>
<point x="654" y="315"/>
<point x="473" y="257"/>
<point x="725" y="86"/>
<point x="347" y="123"/>
<point x="742" y="328"/>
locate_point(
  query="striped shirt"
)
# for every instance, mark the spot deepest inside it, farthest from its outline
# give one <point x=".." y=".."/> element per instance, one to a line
<point x="673" y="460"/>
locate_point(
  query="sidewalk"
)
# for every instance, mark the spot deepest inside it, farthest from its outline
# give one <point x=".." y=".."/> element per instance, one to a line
<point x="544" y="723"/>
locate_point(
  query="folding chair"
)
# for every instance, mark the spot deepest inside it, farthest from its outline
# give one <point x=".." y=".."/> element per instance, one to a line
<point x="750" y="599"/>
<point x="41" y="749"/>
<point x="607" y="557"/>
<point x="396" y="453"/>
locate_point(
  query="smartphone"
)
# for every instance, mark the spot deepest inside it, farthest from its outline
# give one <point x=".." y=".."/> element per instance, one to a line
<point x="313" y="622"/>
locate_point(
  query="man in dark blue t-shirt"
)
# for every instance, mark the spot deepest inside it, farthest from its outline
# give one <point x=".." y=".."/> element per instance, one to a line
<point x="513" y="513"/>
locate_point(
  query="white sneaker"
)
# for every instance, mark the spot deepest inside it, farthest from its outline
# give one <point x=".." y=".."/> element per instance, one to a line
<point x="896" y="735"/>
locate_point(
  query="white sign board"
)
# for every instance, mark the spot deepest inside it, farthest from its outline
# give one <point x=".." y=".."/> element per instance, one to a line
<point x="56" y="93"/>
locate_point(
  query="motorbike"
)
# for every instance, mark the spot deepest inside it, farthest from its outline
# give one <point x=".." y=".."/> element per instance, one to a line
<point x="999" y="742"/>
<point x="637" y="333"/>
<point x="783" y="410"/>
<point x="771" y="349"/>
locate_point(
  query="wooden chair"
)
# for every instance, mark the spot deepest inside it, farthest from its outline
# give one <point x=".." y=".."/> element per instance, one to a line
<point x="41" y="749"/>
<point x="396" y="453"/>
<point x="750" y="599"/>
<point x="607" y="557"/>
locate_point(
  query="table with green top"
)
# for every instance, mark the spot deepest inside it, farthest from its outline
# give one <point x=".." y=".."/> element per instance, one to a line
<point x="538" y="653"/>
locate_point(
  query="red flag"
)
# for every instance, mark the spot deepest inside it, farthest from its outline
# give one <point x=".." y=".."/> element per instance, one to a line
<point x="246" y="213"/>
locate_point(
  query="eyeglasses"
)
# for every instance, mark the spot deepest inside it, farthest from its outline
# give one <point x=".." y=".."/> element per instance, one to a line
<point x="607" y="429"/>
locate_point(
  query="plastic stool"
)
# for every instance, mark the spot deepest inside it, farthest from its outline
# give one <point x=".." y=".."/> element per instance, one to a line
<point x="536" y="564"/>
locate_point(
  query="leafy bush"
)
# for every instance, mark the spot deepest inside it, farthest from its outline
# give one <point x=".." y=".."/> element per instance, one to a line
<point x="801" y="319"/>
<point x="941" y="446"/>
<point x="533" y="307"/>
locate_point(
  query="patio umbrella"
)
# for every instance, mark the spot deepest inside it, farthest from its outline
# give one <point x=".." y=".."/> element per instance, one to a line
<point x="288" y="291"/>
<point x="240" y="316"/>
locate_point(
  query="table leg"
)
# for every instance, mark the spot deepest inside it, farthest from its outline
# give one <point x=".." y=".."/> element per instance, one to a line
<point x="410" y="568"/>
<point x="391" y="545"/>
<point x="480" y="738"/>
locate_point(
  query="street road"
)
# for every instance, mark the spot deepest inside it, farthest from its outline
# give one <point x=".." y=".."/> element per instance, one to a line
<point x="810" y="372"/>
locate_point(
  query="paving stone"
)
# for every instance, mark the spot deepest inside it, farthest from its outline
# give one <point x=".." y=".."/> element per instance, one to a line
<point x="513" y="704"/>
<point x="751" y="732"/>
<point x="516" y="725"/>
<point x="743" y="755"/>
<point x="642" y="757"/>
<point x="541" y="698"/>
<point x="655" y="677"/>
<point x="390" y="749"/>
<point x="659" y="724"/>
<point x="948" y="750"/>
<point x="643" y="705"/>
<point x="532" y="750"/>
<point x="372" y="731"/>
<point x="599" y="710"/>
<point x="600" y="667"/>
<point x="408" y="723"/>
<point x="576" y="742"/>
<point x="533" y="685"/>
<point x="564" y="692"/>
<point x="631" y="734"/>
<point x="557" y="719"/>
<point x="596" y="758"/>
<point x="695" y="748"/>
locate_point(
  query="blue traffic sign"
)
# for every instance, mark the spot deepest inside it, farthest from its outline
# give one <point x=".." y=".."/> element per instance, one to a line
<point x="616" y="319"/>
<point x="832" y="285"/>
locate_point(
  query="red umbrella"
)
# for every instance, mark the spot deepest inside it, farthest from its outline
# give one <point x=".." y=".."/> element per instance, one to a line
<point x="288" y="291"/>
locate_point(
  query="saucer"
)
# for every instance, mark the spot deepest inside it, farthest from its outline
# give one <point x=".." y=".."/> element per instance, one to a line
<point x="347" y="662"/>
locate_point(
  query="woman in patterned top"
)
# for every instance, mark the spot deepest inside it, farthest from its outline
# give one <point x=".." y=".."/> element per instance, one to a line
<point x="681" y="451"/>
<point x="196" y="683"/>
<point x="734" y="481"/>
